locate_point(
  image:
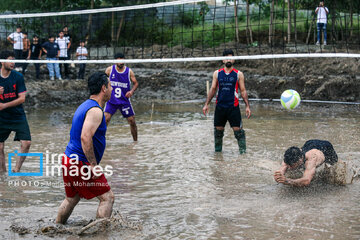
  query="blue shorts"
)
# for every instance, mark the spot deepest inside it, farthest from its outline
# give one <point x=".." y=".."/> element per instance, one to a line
<point x="126" y="109"/>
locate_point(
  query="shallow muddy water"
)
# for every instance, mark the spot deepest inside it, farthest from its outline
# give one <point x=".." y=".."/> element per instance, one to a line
<point x="172" y="181"/>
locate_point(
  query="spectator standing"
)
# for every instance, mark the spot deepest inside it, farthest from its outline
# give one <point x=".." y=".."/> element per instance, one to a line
<point x="322" y="13"/>
<point x="16" y="39"/>
<point x="52" y="51"/>
<point x="81" y="53"/>
<point x="68" y="36"/>
<point x="26" y="48"/>
<point x="64" y="45"/>
<point x="35" y="54"/>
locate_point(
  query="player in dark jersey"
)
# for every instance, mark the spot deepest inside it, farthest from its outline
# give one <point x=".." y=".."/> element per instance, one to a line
<point x="84" y="152"/>
<point x="313" y="154"/>
<point x="229" y="81"/>
<point x="12" y="115"/>
<point x="121" y="78"/>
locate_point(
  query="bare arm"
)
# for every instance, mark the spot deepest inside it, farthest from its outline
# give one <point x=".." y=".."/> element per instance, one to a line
<point x="44" y="50"/>
<point x="14" y="103"/>
<point x="300" y="182"/>
<point x="108" y="70"/>
<point x="212" y="93"/>
<point x="10" y="40"/>
<point x="29" y="51"/>
<point x="135" y="85"/>
<point x="92" y="121"/>
<point x="244" y="94"/>
<point x="317" y="10"/>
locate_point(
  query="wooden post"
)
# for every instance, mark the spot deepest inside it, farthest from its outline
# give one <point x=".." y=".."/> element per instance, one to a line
<point x="152" y="111"/>
<point x="207" y="88"/>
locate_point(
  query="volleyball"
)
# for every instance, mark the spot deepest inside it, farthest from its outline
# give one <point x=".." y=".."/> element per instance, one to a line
<point x="290" y="99"/>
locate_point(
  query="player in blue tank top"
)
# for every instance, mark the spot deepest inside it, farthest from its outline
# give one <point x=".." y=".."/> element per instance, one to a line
<point x="312" y="155"/>
<point x="228" y="81"/>
<point x="87" y="144"/>
<point x="121" y="78"/>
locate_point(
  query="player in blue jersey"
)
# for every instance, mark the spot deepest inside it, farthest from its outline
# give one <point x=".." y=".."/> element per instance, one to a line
<point x="228" y="80"/>
<point x="313" y="154"/>
<point x="121" y="78"/>
<point x="84" y="153"/>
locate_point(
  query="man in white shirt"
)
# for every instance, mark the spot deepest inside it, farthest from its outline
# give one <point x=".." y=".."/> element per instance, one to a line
<point x="64" y="44"/>
<point x="322" y="13"/>
<point x="16" y="38"/>
<point x="81" y="53"/>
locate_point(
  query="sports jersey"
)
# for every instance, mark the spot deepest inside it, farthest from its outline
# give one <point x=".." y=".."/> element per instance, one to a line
<point x="228" y="93"/>
<point x="120" y="81"/>
<point x="13" y="85"/>
<point x="99" y="141"/>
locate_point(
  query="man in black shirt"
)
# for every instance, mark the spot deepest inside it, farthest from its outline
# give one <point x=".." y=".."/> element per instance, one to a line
<point x="35" y="52"/>
<point x="12" y="115"/>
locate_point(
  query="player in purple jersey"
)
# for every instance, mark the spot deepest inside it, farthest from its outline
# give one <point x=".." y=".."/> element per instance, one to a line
<point x="121" y="78"/>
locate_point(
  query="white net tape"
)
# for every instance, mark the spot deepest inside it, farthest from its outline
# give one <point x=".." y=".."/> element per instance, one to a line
<point x="103" y="10"/>
<point x="197" y="59"/>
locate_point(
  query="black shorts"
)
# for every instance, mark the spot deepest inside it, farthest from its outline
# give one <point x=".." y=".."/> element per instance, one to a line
<point x="232" y="114"/>
<point x="21" y="129"/>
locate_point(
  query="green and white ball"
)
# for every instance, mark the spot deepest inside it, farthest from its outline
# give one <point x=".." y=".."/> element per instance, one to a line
<point x="290" y="99"/>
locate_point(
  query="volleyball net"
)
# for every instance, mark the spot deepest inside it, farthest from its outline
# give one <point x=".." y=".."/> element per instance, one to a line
<point x="189" y="30"/>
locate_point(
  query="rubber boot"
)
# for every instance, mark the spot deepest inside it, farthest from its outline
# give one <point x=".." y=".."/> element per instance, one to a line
<point x="218" y="134"/>
<point x="240" y="136"/>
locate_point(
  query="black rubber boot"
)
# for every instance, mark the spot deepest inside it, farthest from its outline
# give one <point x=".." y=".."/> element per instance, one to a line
<point x="218" y="134"/>
<point x="240" y="136"/>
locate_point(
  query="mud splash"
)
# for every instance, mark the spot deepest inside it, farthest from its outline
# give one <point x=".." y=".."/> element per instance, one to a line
<point x="83" y="227"/>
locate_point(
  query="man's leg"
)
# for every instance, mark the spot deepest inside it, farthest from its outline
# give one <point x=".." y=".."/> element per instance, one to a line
<point x="18" y="56"/>
<point x="133" y="127"/>
<point x="240" y="137"/>
<point x="2" y="157"/>
<point x="325" y="34"/>
<point x="218" y="138"/>
<point x="25" y="54"/>
<point x="57" y="70"/>
<point x="66" y="66"/>
<point x="235" y="120"/>
<point x="220" y="120"/>
<point x="24" y="148"/>
<point x="50" y="67"/>
<point x="60" y="67"/>
<point x="318" y="33"/>
<point x="107" y="118"/>
<point x="106" y="205"/>
<point x="110" y="109"/>
<point x="66" y="208"/>
<point x="37" y="68"/>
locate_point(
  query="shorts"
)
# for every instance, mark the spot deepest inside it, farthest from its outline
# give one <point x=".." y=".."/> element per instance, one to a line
<point x="21" y="129"/>
<point x="126" y="109"/>
<point x="330" y="155"/>
<point x="232" y="114"/>
<point x="87" y="189"/>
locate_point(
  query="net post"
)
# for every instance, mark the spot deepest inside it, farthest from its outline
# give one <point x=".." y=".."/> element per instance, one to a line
<point x="207" y="88"/>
